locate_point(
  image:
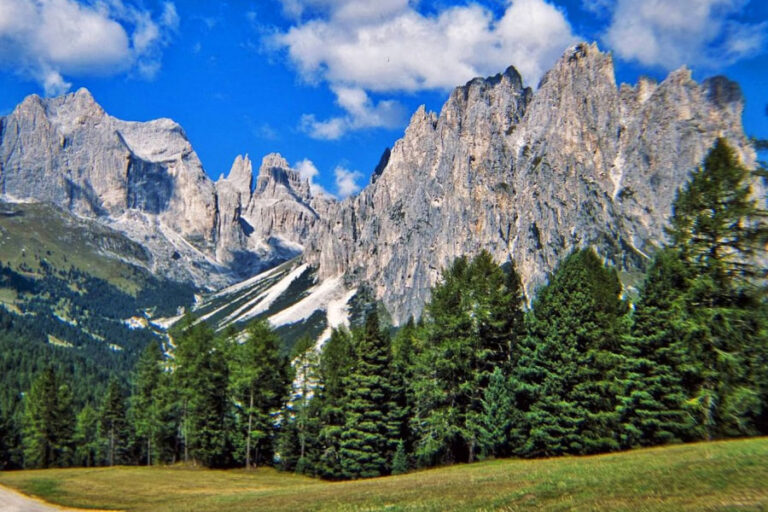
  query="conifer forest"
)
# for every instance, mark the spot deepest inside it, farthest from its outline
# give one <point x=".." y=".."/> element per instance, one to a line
<point x="583" y="366"/>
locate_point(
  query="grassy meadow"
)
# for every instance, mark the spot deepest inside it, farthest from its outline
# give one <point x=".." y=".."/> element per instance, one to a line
<point x="727" y="475"/>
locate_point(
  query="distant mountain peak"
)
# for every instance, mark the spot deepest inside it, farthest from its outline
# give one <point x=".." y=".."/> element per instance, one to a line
<point x="276" y="177"/>
<point x="526" y="174"/>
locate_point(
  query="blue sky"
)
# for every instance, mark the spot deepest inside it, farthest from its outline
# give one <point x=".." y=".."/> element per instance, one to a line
<point x="331" y="83"/>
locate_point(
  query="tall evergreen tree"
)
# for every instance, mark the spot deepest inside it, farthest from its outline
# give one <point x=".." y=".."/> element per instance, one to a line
<point x="654" y="407"/>
<point x="364" y="442"/>
<point x="401" y="398"/>
<point x="300" y="423"/>
<point x="720" y="233"/>
<point x="202" y="377"/>
<point x="717" y="224"/>
<point x="49" y="423"/>
<point x="145" y="404"/>
<point x="260" y="380"/>
<point x="5" y="439"/>
<point x="86" y="437"/>
<point x="474" y="323"/>
<point x="170" y="403"/>
<point x="569" y="371"/>
<point x="113" y="423"/>
<point x="499" y="417"/>
<point x="336" y="362"/>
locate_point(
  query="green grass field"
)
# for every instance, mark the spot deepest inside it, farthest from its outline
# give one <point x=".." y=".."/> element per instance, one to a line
<point x="729" y="475"/>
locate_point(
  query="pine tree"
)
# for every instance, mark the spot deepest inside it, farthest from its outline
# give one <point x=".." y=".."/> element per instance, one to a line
<point x="168" y="437"/>
<point x="474" y="324"/>
<point x="86" y="437"/>
<point x="201" y="378"/>
<point x="260" y="379"/>
<point x="299" y="443"/>
<point x="720" y="233"/>
<point x="401" y="398"/>
<point x="5" y="439"/>
<point x="717" y="224"/>
<point x="499" y="417"/>
<point x="654" y="406"/>
<point x="113" y="423"/>
<point x="400" y="460"/>
<point x="569" y="371"/>
<point x="144" y="402"/>
<point x="364" y="441"/>
<point x="49" y="423"/>
<point x="336" y="362"/>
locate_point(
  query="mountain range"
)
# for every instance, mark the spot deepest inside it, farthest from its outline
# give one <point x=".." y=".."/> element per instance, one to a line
<point x="527" y="174"/>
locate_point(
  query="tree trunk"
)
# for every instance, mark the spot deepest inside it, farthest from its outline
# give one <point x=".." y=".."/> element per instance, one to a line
<point x="248" y="438"/>
<point x="709" y="415"/>
<point x="112" y="446"/>
<point x="149" y="450"/>
<point x="186" y="441"/>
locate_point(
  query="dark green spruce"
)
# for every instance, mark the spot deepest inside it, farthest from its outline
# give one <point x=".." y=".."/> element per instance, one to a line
<point x="569" y="371"/>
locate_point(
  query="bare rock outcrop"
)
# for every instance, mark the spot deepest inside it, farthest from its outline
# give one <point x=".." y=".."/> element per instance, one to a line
<point x="528" y="176"/>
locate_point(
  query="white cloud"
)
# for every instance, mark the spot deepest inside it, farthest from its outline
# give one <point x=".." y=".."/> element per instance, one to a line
<point x="599" y="7"/>
<point x="354" y="10"/>
<point x="667" y="34"/>
<point x="50" y="39"/>
<point x="361" y="112"/>
<point x="386" y="46"/>
<point x="307" y="169"/>
<point x="401" y="49"/>
<point x="54" y="83"/>
<point x="347" y="181"/>
<point x="331" y="129"/>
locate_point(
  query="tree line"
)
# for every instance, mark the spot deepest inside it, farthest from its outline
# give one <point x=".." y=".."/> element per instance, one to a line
<point x="580" y="370"/>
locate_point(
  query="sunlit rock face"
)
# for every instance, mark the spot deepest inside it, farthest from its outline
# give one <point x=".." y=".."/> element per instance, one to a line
<point x="144" y="179"/>
<point x="525" y="174"/>
<point x="529" y="175"/>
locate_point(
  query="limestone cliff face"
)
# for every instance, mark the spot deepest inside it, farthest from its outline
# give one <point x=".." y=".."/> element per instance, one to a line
<point x="267" y="224"/>
<point x="525" y="175"/>
<point x="528" y="176"/>
<point x="145" y="180"/>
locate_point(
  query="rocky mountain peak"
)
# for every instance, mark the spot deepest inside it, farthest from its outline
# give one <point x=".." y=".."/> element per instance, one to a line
<point x="240" y="176"/>
<point x="73" y="109"/>
<point x="724" y="92"/>
<point x="528" y="176"/>
<point x="511" y="78"/>
<point x="277" y="178"/>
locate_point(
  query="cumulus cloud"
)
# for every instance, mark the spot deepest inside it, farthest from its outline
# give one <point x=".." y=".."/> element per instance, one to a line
<point x="48" y="40"/>
<point x="361" y="112"/>
<point x="347" y="182"/>
<point x="667" y="34"/>
<point x="387" y="46"/>
<point x="307" y="169"/>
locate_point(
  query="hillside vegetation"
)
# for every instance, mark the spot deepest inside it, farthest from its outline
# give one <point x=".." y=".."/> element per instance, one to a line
<point x="727" y="475"/>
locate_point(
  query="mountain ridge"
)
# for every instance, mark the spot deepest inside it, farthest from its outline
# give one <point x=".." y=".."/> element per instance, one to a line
<point x="527" y="175"/>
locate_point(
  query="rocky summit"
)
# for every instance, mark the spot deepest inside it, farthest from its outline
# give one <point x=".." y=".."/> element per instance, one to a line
<point x="525" y="174"/>
<point x="529" y="175"/>
<point x="145" y="180"/>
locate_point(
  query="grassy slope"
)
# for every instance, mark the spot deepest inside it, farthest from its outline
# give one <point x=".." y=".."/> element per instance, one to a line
<point x="730" y="475"/>
<point x="29" y="231"/>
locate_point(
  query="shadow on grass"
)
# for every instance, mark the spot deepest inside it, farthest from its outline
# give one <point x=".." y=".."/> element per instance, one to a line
<point x="45" y="488"/>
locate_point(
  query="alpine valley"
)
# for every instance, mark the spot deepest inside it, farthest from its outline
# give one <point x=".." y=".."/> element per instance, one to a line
<point x="525" y="174"/>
